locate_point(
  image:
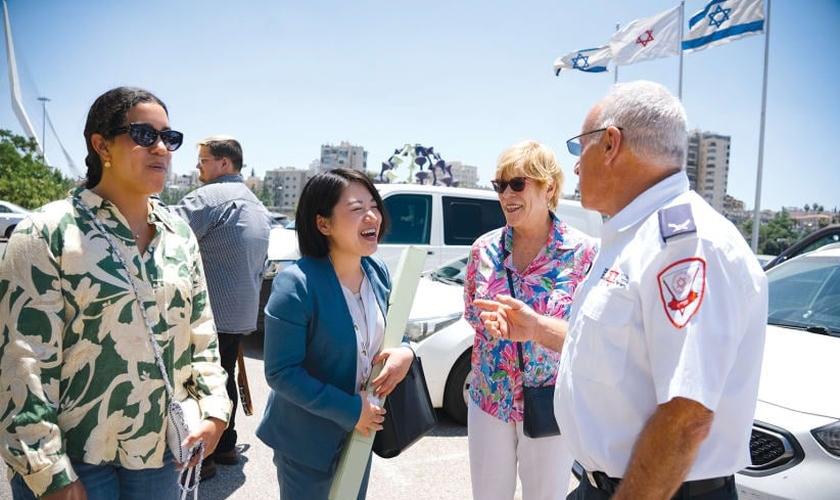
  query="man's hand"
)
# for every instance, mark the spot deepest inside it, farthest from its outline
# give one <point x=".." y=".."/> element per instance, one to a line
<point x="508" y="318"/>
<point x="512" y="319"/>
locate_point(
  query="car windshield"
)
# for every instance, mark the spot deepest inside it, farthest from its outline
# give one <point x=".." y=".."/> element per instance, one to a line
<point x="805" y="293"/>
<point x="451" y="272"/>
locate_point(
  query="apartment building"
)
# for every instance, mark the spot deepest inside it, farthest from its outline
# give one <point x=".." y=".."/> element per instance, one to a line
<point x="707" y="166"/>
<point x="285" y="185"/>
<point x="466" y="175"/>
<point x="345" y="155"/>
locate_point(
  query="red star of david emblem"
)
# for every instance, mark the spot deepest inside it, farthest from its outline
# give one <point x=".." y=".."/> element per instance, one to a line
<point x="648" y="37"/>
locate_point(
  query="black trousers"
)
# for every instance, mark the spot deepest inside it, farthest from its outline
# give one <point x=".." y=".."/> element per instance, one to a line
<point x="229" y="352"/>
<point x="586" y="491"/>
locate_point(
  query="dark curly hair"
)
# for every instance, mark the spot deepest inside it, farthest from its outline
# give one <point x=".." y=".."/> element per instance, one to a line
<point x="106" y="113"/>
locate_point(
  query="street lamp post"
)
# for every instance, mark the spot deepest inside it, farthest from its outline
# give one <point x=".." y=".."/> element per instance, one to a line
<point x="44" y="101"/>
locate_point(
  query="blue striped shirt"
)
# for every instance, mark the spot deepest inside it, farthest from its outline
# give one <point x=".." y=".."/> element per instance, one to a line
<point x="232" y="227"/>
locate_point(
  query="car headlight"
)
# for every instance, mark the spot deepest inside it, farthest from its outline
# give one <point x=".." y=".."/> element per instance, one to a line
<point x="273" y="268"/>
<point x="829" y="437"/>
<point x="419" y="329"/>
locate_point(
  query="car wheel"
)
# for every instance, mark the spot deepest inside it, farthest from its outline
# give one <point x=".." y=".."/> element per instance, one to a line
<point x="9" y="231"/>
<point x="457" y="387"/>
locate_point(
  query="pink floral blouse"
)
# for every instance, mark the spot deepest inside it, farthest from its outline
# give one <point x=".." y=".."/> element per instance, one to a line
<point x="547" y="285"/>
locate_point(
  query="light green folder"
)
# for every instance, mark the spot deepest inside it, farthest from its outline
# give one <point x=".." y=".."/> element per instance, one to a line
<point x="354" y="456"/>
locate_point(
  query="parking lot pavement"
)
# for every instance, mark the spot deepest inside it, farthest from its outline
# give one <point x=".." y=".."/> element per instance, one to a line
<point x="435" y="468"/>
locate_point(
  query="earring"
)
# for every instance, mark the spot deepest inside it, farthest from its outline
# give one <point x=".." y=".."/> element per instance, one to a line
<point x="107" y="164"/>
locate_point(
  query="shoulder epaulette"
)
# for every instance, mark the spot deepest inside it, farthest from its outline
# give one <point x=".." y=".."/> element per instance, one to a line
<point x="675" y="221"/>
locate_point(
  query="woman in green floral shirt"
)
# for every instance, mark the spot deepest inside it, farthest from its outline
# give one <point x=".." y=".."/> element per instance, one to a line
<point x="82" y="400"/>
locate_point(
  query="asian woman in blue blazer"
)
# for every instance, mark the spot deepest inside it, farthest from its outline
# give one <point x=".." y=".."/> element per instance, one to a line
<point x="324" y="325"/>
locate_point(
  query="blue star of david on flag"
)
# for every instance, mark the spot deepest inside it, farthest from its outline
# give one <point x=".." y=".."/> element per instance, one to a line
<point x="593" y="60"/>
<point x="580" y="62"/>
<point x="723" y="21"/>
<point x="713" y="17"/>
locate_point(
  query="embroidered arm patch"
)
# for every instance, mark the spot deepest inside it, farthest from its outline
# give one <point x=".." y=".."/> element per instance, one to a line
<point x="681" y="288"/>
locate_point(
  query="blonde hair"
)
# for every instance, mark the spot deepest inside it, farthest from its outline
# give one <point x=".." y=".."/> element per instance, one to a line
<point x="535" y="161"/>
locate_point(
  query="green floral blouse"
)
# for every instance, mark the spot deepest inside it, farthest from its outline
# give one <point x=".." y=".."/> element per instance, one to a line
<point x="78" y="377"/>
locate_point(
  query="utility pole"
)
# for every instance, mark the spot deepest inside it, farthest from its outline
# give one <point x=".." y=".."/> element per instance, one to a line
<point x="44" y="101"/>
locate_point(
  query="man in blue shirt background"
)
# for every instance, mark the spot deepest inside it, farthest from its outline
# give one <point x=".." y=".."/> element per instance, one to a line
<point x="232" y="227"/>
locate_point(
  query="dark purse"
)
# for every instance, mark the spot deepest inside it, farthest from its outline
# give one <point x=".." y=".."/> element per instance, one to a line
<point x="538" y="420"/>
<point x="409" y="414"/>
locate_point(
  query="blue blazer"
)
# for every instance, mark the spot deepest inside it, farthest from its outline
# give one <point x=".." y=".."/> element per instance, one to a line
<point x="310" y="360"/>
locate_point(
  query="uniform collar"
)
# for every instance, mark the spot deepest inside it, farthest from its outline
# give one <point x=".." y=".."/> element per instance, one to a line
<point x="227" y="178"/>
<point x="646" y="203"/>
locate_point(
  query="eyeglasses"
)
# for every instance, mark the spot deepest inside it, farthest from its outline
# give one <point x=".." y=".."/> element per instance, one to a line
<point x="517" y="184"/>
<point x="145" y="135"/>
<point x="573" y="144"/>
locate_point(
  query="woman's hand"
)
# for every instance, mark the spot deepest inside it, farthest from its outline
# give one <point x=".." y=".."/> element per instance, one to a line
<point x="371" y="418"/>
<point x="397" y="362"/>
<point x="73" y="491"/>
<point x="210" y="431"/>
<point x="508" y="318"/>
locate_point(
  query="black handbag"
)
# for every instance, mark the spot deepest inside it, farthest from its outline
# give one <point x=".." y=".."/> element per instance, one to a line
<point x="409" y="414"/>
<point x="538" y="420"/>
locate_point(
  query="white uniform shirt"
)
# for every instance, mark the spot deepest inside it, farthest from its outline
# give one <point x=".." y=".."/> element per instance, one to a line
<point x="661" y="319"/>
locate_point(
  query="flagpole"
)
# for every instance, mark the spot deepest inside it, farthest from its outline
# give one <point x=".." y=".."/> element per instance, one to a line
<point x="757" y="209"/>
<point x="682" y="21"/>
<point x="615" y="77"/>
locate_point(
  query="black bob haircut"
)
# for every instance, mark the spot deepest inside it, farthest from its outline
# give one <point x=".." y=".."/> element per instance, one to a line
<point x="320" y="195"/>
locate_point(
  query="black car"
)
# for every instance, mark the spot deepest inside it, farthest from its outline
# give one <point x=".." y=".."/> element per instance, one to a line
<point x="819" y="238"/>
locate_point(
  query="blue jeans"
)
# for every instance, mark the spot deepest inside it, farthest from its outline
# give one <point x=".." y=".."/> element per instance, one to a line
<point x="110" y="482"/>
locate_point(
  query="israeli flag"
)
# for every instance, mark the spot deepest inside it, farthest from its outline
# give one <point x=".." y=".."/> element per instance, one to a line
<point x="723" y="21"/>
<point x="590" y="60"/>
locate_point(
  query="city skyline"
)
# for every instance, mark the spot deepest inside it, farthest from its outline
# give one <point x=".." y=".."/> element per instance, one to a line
<point x="469" y="79"/>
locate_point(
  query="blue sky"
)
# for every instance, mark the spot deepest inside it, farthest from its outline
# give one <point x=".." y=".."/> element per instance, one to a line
<point x="469" y="78"/>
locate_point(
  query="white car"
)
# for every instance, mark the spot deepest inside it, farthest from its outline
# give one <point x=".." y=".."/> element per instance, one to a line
<point x="442" y="338"/>
<point x="795" y="444"/>
<point x="10" y="216"/>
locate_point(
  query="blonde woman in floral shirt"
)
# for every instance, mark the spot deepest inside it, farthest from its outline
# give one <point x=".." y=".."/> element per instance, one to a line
<point x="82" y="400"/>
<point x="546" y="259"/>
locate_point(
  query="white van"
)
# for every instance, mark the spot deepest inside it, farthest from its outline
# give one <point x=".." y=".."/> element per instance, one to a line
<point x="442" y="220"/>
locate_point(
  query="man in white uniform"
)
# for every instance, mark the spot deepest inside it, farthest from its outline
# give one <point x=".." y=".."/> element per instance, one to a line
<point x="660" y="367"/>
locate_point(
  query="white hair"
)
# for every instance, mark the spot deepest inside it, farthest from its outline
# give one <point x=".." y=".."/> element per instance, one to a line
<point x="652" y="120"/>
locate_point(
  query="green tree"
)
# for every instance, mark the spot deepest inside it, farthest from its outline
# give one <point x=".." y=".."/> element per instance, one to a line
<point x="24" y="178"/>
<point x="172" y="196"/>
<point x="779" y="234"/>
<point x="264" y="195"/>
<point x="773" y="236"/>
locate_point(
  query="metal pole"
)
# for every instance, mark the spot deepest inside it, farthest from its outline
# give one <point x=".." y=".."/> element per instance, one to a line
<point x="615" y="77"/>
<point x="682" y="21"/>
<point x="757" y="209"/>
<point x="44" y="101"/>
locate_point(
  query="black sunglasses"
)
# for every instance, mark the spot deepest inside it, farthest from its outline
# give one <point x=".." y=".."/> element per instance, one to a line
<point x="146" y="135"/>
<point x="517" y="184"/>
